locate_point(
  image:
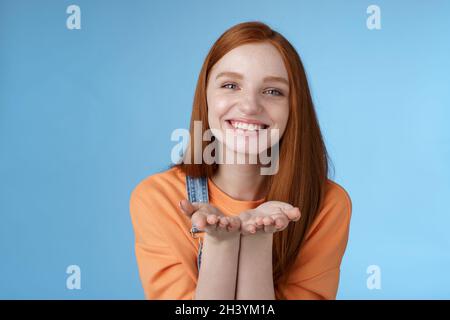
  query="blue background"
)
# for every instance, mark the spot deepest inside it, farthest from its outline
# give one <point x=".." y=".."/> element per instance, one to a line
<point x="87" y="114"/>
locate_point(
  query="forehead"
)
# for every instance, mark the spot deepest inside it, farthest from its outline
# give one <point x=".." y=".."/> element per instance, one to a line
<point x="253" y="59"/>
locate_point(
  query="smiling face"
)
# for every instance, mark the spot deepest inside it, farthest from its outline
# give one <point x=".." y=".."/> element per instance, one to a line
<point x="248" y="92"/>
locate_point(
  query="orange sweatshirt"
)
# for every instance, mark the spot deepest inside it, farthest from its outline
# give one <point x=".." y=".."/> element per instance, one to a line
<point x="167" y="254"/>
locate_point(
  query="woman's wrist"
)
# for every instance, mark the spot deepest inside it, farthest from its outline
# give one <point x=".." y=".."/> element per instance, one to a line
<point x="222" y="238"/>
<point x="258" y="236"/>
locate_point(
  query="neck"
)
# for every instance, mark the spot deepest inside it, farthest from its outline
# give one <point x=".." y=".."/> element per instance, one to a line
<point x="241" y="181"/>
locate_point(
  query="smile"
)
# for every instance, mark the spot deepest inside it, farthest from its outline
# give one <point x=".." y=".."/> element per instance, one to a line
<point x="247" y="125"/>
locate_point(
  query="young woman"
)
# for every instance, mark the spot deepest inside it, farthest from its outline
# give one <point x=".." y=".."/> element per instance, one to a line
<point x="224" y="230"/>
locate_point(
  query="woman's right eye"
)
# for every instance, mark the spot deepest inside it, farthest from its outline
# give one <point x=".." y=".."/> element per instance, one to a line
<point x="227" y="86"/>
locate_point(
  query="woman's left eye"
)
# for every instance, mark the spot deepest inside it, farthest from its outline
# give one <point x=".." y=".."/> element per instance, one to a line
<point x="275" y="92"/>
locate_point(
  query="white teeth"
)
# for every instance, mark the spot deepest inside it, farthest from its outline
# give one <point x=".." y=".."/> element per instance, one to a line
<point x="246" y="126"/>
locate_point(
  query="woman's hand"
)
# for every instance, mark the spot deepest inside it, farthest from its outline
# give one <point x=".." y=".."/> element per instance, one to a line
<point x="210" y="219"/>
<point x="269" y="217"/>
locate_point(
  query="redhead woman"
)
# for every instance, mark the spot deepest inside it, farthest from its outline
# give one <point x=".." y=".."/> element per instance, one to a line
<point x="228" y="229"/>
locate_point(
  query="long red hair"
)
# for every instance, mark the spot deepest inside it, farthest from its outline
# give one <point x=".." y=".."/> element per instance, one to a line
<point x="303" y="159"/>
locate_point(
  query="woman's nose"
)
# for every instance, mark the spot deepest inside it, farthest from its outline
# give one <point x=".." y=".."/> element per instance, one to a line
<point x="250" y="105"/>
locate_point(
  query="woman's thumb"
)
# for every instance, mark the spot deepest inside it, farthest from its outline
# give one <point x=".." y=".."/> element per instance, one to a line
<point x="187" y="207"/>
<point x="293" y="213"/>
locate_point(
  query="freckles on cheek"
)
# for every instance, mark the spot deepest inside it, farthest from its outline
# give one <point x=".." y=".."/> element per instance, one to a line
<point x="215" y="112"/>
<point x="219" y="106"/>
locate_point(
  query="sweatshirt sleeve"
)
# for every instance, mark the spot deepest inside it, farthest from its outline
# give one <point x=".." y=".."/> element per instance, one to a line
<point x="162" y="273"/>
<point x="315" y="274"/>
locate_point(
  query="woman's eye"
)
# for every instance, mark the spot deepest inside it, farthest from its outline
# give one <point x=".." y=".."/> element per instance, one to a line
<point x="274" y="92"/>
<point x="228" y="85"/>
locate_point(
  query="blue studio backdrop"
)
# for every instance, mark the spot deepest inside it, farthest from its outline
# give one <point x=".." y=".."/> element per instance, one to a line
<point x="87" y="110"/>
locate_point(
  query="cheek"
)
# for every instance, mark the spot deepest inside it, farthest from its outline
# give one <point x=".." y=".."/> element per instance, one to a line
<point x="280" y="115"/>
<point x="217" y="108"/>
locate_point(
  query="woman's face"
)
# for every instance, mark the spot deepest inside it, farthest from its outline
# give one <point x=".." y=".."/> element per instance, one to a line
<point x="247" y="92"/>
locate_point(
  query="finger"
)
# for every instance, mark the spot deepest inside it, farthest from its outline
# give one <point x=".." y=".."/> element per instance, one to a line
<point x="250" y="228"/>
<point x="259" y="221"/>
<point x="293" y="214"/>
<point x="234" y="225"/>
<point x="223" y="222"/>
<point x="211" y="223"/>
<point x="268" y="221"/>
<point x="212" y="219"/>
<point x="198" y="221"/>
<point x="187" y="207"/>
<point x="281" y="222"/>
<point x="190" y="207"/>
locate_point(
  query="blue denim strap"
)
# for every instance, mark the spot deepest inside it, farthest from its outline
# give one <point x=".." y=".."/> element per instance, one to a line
<point x="197" y="191"/>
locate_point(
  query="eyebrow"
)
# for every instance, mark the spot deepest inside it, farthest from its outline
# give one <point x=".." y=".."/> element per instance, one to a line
<point x="240" y="76"/>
